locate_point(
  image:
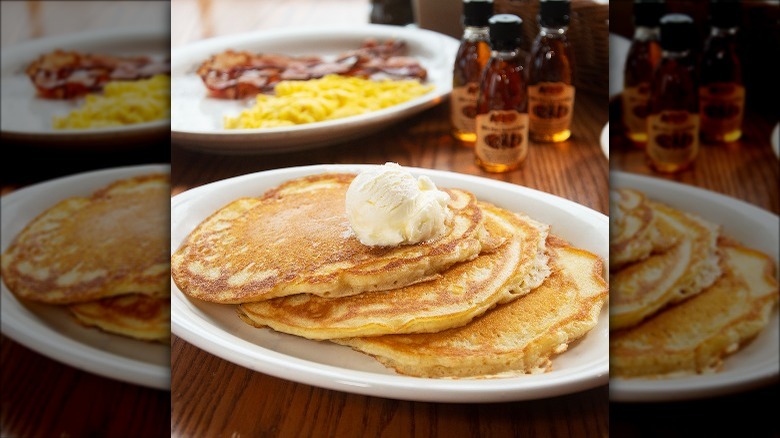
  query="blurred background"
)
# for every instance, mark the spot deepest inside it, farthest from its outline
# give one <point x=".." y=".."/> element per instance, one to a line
<point x="44" y="22"/>
<point x="588" y="31"/>
<point x="41" y="396"/>
<point x="746" y="169"/>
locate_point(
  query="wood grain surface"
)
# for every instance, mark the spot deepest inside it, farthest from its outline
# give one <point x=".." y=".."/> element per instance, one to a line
<point x="746" y="169"/>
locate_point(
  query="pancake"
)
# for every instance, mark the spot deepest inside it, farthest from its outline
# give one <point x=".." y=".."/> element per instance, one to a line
<point x="133" y="315"/>
<point x="518" y="337"/>
<point x="694" y="336"/>
<point x="297" y="239"/>
<point x="462" y="292"/>
<point x="643" y="288"/>
<point x="112" y="243"/>
<point x="635" y="231"/>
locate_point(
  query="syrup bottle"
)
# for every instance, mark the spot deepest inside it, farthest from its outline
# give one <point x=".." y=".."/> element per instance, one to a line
<point x="551" y="75"/>
<point x="643" y="57"/>
<point x="721" y="92"/>
<point x="502" y="104"/>
<point x="673" y="121"/>
<point x="472" y="56"/>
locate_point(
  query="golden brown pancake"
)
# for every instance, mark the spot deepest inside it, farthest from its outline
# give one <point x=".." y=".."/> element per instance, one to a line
<point x="695" y="335"/>
<point x="514" y="338"/>
<point x="82" y="249"/>
<point x="462" y="292"/>
<point x="134" y="315"/>
<point x="297" y="239"/>
<point x="635" y="230"/>
<point x="641" y="289"/>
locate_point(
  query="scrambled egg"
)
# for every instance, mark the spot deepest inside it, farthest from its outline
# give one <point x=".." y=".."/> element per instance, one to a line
<point x="328" y="98"/>
<point x="122" y="103"/>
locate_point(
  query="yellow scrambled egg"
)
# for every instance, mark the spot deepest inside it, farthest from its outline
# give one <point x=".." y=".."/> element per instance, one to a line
<point x="122" y="103"/>
<point x="328" y="98"/>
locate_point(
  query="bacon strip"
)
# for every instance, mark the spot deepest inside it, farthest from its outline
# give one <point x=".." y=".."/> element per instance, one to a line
<point x="241" y="74"/>
<point x="69" y="74"/>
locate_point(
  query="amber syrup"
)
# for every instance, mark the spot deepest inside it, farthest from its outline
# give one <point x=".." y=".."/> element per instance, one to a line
<point x="473" y="54"/>
<point x="721" y="91"/>
<point x="551" y="75"/>
<point x="502" y="105"/>
<point x="643" y="57"/>
<point x="673" y="120"/>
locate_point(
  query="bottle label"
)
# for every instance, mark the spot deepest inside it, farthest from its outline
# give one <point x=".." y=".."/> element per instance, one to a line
<point x="722" y="105"/>
<point x="463" y="107"/>
<point x="502" y="137"/>
<point x="550" y="107"/>
<point x="672" y="136"/>
<point x="635" y="107"/>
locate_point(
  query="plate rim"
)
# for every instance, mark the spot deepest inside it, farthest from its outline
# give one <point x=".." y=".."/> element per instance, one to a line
<point x="695" y="387"/>
<point x="16" y="320"/>
<point x="185" y="325"/>
<point x="367" y="122"/>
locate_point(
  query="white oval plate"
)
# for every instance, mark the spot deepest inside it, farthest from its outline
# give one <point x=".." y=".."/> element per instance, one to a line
<point x="218" y="330"/>
<point x="29" y="118"/>
<point x="605" y="140"/>
<point x="618" y="52"/>
<point x="51" y="330"/>
<point x="756" y="364"/>
<point x="196" y="120"/>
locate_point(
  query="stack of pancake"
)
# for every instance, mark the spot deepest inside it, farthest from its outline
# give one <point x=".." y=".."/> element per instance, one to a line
<point x="496" y="294"/>
<point x="683" y="295"/>
<point x="104" y="257"/>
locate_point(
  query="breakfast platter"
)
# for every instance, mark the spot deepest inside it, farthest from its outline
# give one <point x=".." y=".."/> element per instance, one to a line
<point x="197" y="116"/>
<point x="218" y="329"/>
<point x="51" y="330"/>
<point x="755" y="363"/>
<point x="29" y="118"/>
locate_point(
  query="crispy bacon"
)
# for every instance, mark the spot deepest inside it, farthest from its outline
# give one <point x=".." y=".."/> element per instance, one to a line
<point x="68" y="74"/>
<point x="240" y="74"/>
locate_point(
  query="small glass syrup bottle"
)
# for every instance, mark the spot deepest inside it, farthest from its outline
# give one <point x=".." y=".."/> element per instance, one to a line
<point x="721" y="91"/>
<point x="673" y="121"/>
<point x="551" y="75"/>
<point x="472" y="56"/>
<point x="643" y="57"/>
<point x="502" y="105"/>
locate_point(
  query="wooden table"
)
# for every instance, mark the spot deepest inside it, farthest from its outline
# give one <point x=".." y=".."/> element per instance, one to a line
<point x="746" y="170"/>
<point x="40" y="396"/>
<point x="214" y="397"/>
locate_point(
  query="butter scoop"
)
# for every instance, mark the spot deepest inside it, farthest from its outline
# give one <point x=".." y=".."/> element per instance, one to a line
<point x="387" y="206"/>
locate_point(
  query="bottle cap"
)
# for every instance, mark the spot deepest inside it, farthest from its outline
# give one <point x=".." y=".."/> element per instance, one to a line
<point x="725" y="13"/>
<point x="554" y="13"/>
<point x="648" y="12"/>
<point x="505" y="31"/>
<point x="477" y="12"/>
<point x="676" y="32"/>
